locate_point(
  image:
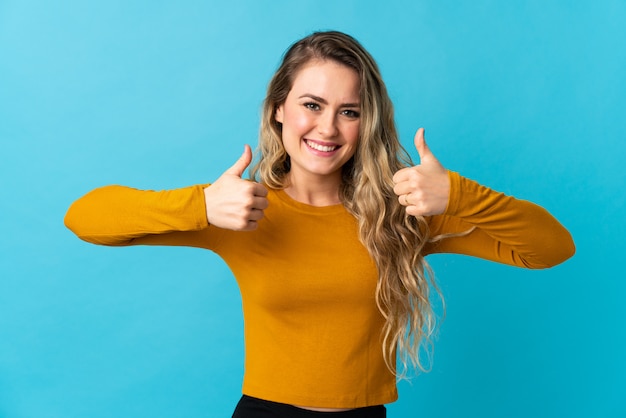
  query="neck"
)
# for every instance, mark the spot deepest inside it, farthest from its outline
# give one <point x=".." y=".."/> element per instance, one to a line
<point x="314" y="191"/>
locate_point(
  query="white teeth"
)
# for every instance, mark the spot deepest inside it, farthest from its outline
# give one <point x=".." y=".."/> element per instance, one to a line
<point x="319" y="147"/>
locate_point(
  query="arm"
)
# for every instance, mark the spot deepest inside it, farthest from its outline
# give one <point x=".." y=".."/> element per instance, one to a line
<point x="506" y="230"/>
<point x="467" y="218"/>
<point x="117" y="215"/>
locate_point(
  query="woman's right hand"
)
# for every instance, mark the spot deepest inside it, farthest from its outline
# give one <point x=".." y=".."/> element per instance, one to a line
<point x="235" y="203"/>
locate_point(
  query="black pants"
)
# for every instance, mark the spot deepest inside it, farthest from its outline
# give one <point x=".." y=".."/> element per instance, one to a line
<point x="249" y="407"/>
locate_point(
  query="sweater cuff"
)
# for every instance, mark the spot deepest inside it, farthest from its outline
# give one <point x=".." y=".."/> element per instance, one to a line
<point x="455" y="193"/>
<point x="199" y="207"/>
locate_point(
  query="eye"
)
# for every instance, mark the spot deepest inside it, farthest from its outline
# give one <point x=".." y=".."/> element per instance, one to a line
<point x="352" y="114"/>
<point x="312" y="106"/>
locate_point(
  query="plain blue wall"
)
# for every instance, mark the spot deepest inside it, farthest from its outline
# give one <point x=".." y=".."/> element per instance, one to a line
<point x="528" y="97"/>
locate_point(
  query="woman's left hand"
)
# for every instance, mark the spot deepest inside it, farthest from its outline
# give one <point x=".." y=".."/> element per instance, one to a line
<point x="425" y="188"/>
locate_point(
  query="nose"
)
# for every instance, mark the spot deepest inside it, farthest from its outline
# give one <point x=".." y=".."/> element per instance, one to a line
<point x="327" y="125"/>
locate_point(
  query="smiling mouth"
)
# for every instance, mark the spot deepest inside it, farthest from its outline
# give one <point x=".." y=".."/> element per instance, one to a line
<point x="319" y="147"/>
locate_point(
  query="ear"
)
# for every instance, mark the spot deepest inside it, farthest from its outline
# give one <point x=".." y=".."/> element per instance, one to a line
<point x="278" y="114"/>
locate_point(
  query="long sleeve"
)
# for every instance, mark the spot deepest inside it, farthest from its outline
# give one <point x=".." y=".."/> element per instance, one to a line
<point x="118" y="215"/>
<point x="503" y="229"/>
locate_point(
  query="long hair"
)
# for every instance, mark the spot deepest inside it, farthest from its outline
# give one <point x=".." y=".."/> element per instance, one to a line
<point x="393" y="239"/>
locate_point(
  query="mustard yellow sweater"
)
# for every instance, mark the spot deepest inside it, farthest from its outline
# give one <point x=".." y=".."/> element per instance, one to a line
<point x="312" y="328"/>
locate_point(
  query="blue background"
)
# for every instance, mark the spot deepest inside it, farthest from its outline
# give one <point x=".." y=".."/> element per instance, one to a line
<point x="527" y="97"/>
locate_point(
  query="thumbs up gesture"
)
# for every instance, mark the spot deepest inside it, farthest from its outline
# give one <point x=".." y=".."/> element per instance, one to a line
<point x="425" y="188"/>
<point x="235" y="203"/>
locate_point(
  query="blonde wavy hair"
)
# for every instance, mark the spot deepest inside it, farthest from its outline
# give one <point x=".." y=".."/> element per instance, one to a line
<point x="394" y="239"/>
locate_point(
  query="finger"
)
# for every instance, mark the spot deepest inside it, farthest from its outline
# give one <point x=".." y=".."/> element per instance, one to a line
<point x="260" y="203"/>
<point x="259" y="190"/>
<point x="404" y="200"/>
<point x="242" y="163"/>
<point x="421" y="146"/>
<point x="416" y="210"/>
<point x="255" y="215"/>
<point x="402" y="188"/>
<point x="402" y="175"/>
<point x="251" y="226"/>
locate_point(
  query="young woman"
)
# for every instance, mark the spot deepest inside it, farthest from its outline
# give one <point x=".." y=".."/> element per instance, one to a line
<point x="327" y="242"/>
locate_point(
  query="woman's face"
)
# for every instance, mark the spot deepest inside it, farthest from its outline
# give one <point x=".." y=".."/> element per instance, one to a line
<point x="320" y="120"/>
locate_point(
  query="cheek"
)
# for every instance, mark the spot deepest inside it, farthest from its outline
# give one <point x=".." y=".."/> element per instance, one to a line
<point x="302" y="124"/>
<point x="352" y="134"/>
<point x="297" y="121"/>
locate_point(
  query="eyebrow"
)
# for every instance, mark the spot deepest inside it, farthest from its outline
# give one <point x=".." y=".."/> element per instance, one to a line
<point x="323" y="101"/>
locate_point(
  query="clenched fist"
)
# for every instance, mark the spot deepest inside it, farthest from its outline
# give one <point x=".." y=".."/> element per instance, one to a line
<point x="235" y="203"/>
<point x="425" y="188"/>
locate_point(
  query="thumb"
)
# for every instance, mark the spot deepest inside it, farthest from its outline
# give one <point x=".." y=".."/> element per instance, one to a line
<point x="421" y="147"/>
<point x="242" y="163"/>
